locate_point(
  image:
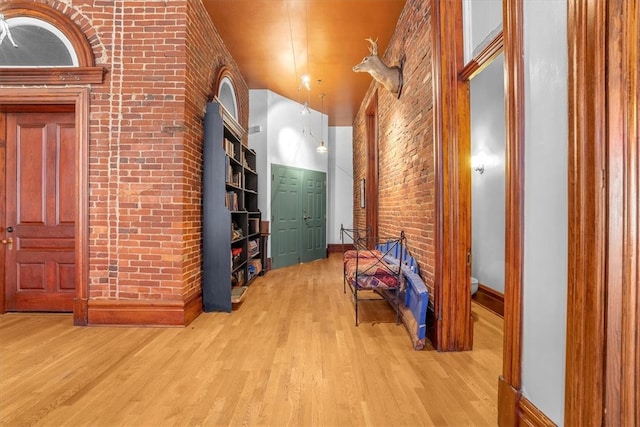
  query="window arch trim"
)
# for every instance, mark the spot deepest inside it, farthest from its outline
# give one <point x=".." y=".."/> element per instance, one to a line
<point x="85" y="72"/>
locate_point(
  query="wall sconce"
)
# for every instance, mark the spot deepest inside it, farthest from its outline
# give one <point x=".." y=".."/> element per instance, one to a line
<point x="479" y="161"/>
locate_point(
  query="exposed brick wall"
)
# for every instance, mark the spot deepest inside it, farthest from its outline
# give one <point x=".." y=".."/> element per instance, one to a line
<point x="406" y="142"/>
<point x="206" y="55"/>
<point x="145" y="150"/>
<point x="136" y="151"/>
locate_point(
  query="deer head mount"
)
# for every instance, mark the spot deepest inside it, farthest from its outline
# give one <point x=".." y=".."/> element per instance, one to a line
<point x="389" y="77"/>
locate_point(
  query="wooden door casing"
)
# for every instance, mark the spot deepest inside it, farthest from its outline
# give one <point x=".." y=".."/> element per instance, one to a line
<point x="371" y="183"/>
<point x="40" y="273"/>
<point x="603" y="326"/>
<point x="3" y="150"/>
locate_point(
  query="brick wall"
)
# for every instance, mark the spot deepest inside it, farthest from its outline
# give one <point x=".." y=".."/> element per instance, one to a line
<point x="136" y="149"/>
<point x="406" y="142"/>
<point x="145" y="150"/>
<point x="206" y="55"/>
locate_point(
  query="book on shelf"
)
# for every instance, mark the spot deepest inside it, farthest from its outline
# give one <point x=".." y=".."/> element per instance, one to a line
<point x="231" y="201"/>
<point x="254" y="225"/>
<point x="228" y="170"/>
<point x="229" y="148"/>
<point x="236" y="179"/>
<point x="253" y="247"/>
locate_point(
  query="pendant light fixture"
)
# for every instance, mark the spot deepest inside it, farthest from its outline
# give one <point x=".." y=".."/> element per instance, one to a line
<point x="321" y="148"/>
<point x="304" y="82"/>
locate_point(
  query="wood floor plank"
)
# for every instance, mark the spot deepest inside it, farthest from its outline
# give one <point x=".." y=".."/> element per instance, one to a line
<point x="288" y="355"/>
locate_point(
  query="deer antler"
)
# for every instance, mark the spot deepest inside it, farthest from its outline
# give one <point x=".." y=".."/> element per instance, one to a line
<point x="373" y="49"/>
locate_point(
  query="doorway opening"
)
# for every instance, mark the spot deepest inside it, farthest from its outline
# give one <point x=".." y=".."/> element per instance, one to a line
<point x="298" y="215"/>
<point x="39" y="212"/>
<point x="370" y="202"/>
<point x="66" y="110"/>
<point x="488" y="186"/>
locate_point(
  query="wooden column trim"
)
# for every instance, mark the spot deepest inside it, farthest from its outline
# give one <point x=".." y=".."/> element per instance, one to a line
<point x="434" y="325"/>
<point x="3" y="208"/>
<point x="514" y="200"/>
<point x="508" y="403"/>
<point x="80" y="309"/>
<point x="454" y="324"/>
<point x="585" y="309"/>
<point x="622" y="371"/>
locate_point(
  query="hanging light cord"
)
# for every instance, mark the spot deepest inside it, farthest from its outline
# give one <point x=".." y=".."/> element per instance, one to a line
<point x="293" y="50"/>
<point x="306" y="13"/>
<point x="321" y="116"/>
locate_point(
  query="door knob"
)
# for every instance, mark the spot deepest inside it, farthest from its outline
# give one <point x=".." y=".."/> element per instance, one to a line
<point x="8" y="242"/>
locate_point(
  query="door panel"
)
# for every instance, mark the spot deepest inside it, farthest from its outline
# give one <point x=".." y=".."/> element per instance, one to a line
<point x="41" y="210"/>
<point x="285" y="210"/>
<point x="298" y="210"/>
<point x="314" y="222"/>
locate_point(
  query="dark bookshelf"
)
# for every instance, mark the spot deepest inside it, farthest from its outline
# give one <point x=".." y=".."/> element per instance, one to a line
<point x="231" y="218"/>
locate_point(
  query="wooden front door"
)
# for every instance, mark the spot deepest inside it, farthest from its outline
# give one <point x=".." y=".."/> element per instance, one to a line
<point x="40" y="211"/>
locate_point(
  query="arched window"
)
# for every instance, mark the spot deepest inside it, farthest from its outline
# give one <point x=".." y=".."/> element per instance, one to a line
<point x="227" y="96"/>
<point x="42" y="45"/>
<point x="39" y="44"/>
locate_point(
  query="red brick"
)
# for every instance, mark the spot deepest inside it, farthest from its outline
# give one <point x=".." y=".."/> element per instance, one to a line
<point x="406" y="146"/>
<point x="145" y="143"/>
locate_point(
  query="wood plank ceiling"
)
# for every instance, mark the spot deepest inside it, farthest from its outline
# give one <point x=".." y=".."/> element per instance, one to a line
<point x="275" y="42"/>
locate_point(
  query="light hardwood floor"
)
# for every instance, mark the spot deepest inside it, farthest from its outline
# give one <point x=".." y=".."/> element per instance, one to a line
<point x="290" y="355"/>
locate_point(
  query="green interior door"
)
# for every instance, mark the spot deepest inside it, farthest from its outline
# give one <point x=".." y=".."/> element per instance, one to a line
<point x="314" y="210"/>
<point x="286" y="206"/>
<point x="298" y="216"/>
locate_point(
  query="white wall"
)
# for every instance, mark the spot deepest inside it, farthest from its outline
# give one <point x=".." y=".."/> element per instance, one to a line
<point x="284" y="139"/>
<point x="258" y="116"/>
<point x="291" y="135"/>
<point x="482" y="22"/>
<point x="546" y="211"/>
<point x="289" y="138"/>
<point x="340" y="203"/>
<point x="488" y="198"/>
